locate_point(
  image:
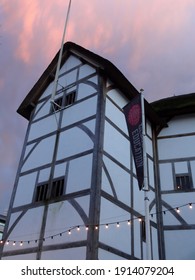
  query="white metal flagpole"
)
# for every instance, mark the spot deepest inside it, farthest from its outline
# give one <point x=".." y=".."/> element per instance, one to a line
<point x="60" y="55"/>
<point x="146" y="187"/>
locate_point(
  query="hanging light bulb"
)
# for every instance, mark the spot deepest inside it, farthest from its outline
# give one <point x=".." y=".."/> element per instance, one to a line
<point x="129" y="222"/>
<point x="21" y="243"/>
<point x="177" y="209"/>
<point x="78" y="228"/>
<point x="118" y="224"/>
<point x="14" y="243"/>
<point x="87" y="227"/>
<point x="140" y="219"/>
<point x="190" y="205"/>
<point x="106" y="226"/>
<point x="96" y="227"/>
<point x="69" y="232"/>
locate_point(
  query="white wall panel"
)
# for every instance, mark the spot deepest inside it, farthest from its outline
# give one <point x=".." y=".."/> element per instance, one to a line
<point x="179" y="125"/>
<point x="70" y="63"/>
<point x="86" y="70"/>
<point x="182" y="147"/>
<point x="174" y="242"/>
<point x="59" y="170"/>
<point x="176" y="200"/>
<point x="166" y="176"/>
<point x="117" y="145"/>
<point x="25" y="189"/>
<point x="41" y="155"/>
<point x="72" y="142"/>
<point x="44" y="175"/>
<point x="79" y="176"/>
<point x="67" y="79"/>
<point x="181" y="167"/>
<point x="118" y="98"/>
<point x="43" y="127"/>
<point x="27" y="229"/>
<point x="85" y="90"/>
<point x="120" y="179"/>
<point x="116" y="116"/>
<point x="79" y="111"/>
<point x="61" y="217"/>
<point x="112" y="213"/>
<point x="42" y="109"/>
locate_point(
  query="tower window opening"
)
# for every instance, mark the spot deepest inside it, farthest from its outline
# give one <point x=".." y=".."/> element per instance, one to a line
<point x="43" y="193"/>
<point x="63" y="101"/>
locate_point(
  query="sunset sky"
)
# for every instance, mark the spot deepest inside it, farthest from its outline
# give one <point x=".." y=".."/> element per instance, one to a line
<point x="151" y="41"/>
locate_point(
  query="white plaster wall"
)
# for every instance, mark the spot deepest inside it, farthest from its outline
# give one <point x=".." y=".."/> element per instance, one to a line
<point x="116" y="145"/>
<point x="25" y="189"/>
<point x="27" y="229"/>
<point x="67" y="79"/>
<point x="118" y="97"/>
<point x="86" y="70"/>
<point x="72" y="142"/>
<point x="42" y="109"/>
<point x="174" y="242"/>
<point x="119" y="238"/>
<point x="70" y="63"/>
<point x="85" y="90"/>
<point x="79" y="175"/>
<point x="79" y="111"/>
<point x="177" y="200"/>
<point x="41" y="155"/>
<point x="44" y="175"/>
<point x="61" y="217"/>
<point x="43" y="127"/>
<point x="116" y="116"/>
<point x="179" y="125"/>
<point x="59" y="170"/>
<point x="120" y="179"/>
<point x="173" y="148"/>
<point x="166" y="176"/>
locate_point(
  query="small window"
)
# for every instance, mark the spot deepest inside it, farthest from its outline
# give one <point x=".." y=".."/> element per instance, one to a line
<point x="58" y="103"/>
<point x="57" y="188"/>
<point x="70" y="99"/>
<point x="41" y="192"/>
<point x="183" y="182"/>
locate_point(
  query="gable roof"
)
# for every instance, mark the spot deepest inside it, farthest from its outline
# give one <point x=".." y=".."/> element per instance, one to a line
<point x="105" y="67"/>
<point x="48" y="75"/>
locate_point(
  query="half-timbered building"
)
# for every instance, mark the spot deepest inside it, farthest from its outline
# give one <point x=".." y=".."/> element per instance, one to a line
<point x="76" y="194"/>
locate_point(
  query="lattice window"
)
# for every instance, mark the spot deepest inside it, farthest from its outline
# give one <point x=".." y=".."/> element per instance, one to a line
<point x="183" y="182"/>
<point x="59" y="103"/>
<point x="42" y="190"/>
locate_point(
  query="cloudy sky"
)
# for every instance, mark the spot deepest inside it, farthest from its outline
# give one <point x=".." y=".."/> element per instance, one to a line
<point x="151" y="41"/>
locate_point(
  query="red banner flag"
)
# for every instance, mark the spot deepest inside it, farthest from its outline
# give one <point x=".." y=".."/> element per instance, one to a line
<point x="133" y="115"/>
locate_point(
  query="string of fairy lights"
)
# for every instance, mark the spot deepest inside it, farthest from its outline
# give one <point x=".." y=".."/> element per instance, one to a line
<point x="78" y="228"/>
